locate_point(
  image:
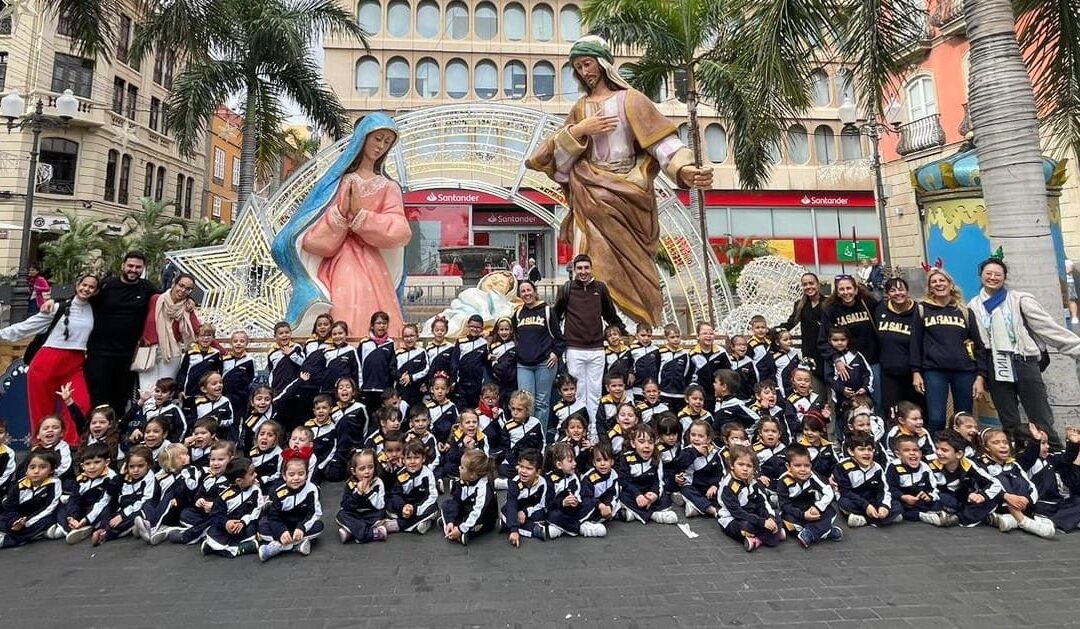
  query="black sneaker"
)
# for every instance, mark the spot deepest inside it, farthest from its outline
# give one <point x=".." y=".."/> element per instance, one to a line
<point x="247" y="548"/>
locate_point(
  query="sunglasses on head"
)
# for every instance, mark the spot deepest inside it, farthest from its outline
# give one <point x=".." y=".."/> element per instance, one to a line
<point x="843" y="276"/>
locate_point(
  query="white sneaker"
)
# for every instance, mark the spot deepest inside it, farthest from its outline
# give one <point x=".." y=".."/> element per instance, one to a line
<point x="628" y="515"/>
<point x="500" y="484"/>
<point x="1075" y="320"/>
<point x="55" y="532"/>
<point x="934" y="517"/>
<point x="159" y="536"/>
<point x="304" y="547"/>
<point x="269" y="550"/>
<point x="855" y="520"/>
<point x="343" y="534"/>
<point x="1004" y="521"/>
<point x="667" y="516"/>
<point x="1038" y="525"/>
<point x="141" y="531"/>
<point x="554" y="531"/>
<point x="425" y="526"/>
<point x="77" y="535"/>
<point x="690" y="510"/>
<point x="593" y="529"/>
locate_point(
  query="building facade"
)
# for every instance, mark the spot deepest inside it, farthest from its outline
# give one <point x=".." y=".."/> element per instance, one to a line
<point x="223" y="164"/>
<point x="114" y="152"/>
<point x="448" y="52"/>
<point x="934" y="124"/>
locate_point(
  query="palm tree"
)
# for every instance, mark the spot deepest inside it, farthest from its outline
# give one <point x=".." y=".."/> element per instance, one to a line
<point x="205" y="233"/>
<point x="76" y="251"/>
<point x="1002" y="106"/>
<point x="257" y="49"/>
<point x="153" y="230"/>
<point x="702" y="42"/>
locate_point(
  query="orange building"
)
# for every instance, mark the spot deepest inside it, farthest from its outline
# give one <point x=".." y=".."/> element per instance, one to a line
<point x="223" y="165"/>
<point x="934" y="123"/>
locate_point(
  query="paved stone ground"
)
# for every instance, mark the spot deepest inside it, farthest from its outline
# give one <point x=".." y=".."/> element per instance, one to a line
<point x="910" y="575"/>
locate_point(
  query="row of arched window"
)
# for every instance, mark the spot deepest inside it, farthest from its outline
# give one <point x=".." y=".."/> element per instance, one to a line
<point x="453" y="21"/>
<point x="458" y="80"/>
<point x="797" y="143"/>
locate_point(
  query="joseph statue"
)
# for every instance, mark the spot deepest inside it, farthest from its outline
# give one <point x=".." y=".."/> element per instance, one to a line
<point x="606" y="156"/>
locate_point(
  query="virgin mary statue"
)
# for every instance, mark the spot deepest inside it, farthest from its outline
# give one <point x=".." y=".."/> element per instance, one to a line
<point x="343" y="248"/>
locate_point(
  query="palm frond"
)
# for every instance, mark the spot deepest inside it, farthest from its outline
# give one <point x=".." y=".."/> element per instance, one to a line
<point x="1049" y="36"/>
<point x="641" y="24"/>
<point x="179" y="25"/>
<point x="872" y="37"/>
<point x="265" y="123"/>
<point x="301" y="80"/>
<point x="197" y="92"/>
<point x="91" y="24"/>
<point x="317" y="18"/>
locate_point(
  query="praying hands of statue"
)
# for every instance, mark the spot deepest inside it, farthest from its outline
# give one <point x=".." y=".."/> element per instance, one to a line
<point x="695" y="176"/>
<point x="352" y="199"/>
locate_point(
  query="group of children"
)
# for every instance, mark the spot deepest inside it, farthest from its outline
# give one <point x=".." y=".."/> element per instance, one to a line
<point x="738" y="435"/>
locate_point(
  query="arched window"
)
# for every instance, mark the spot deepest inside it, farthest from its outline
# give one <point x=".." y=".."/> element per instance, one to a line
<point x="845" y="82"/>
<point x="487" y="79"/>
<point x="148" y="182"/>
<point x="159" y="187"/>
<point x="569" y="23"/>
<point x="125" y="180"/>
<point x="850" y="144"/>
<point x="544" y="80"/>
<point x="684" y="133"/>
<point x="397" y="77"/>
<point x="921" y="98"/>
<point x="825" y="145"/>
<point x="110" y="175"/>
<point x="773" y="150"/>
<point x="798" y="144"/>
<point x="543" y="23"/>
<point x="427" y="19"/>
<point x="716" y="143"/>
<point x="369" y="15"/>
<point x="63" y="156"/>
<point x="514" y="22"/>
<point x="515" y="80"/>
<point x="457" y="20"/>
<point x="819" y="79"/>
<point x="487" y="21"/>
<point x="457" y="79"/>
<point x="569" y="87"/>
<point x="427" y="78"/>
<point x="398" y="18"/>
<point x="367" y="76"/>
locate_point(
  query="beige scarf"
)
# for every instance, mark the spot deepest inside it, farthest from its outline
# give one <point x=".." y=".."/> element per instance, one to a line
<point x="165" y="312"/>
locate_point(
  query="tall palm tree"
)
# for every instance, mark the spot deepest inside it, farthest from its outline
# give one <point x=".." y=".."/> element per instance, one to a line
<point x="259" y="50"/>
<point x="299" y="148"/>
<point x="702" y="42"/>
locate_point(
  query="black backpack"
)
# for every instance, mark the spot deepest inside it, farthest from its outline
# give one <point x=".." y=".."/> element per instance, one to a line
<point x="39" y="340"/>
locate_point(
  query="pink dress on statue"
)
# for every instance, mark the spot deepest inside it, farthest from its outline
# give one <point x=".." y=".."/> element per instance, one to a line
<point x="362" y="257"/>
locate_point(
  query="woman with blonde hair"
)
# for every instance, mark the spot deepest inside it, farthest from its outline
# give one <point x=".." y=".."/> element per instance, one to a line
<point x="946" y="351"/>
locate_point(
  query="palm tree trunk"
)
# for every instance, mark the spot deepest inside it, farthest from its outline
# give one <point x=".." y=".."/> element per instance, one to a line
<point x="697" y="194"/>
<point x="1003" y="115"/>
<point x="248" y="145"/>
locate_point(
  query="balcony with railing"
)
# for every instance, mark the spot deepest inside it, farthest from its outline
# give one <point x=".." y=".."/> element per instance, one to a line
<point x="920" y="135"/>
<point x="946" y="12"/>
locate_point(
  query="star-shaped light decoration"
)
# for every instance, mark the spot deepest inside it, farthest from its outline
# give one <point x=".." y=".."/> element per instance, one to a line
<point x="229" y="133"/>
<point x="126" y="134"/>
<point x="243" y="288"/>
<point x="16" y="9"/>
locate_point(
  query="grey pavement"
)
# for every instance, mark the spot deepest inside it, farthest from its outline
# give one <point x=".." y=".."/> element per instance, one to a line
<point x="909" y="575"/>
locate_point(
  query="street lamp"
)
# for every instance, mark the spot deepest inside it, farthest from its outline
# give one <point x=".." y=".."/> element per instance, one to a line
<point x="873" y="129"/>
<point x="13" y="110"/>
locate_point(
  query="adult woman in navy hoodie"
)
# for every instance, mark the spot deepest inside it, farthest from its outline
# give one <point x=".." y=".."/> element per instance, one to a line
<point x="894" y="318"/>
<point x="947" y="352"/>
<point x="539" y="346"/>
<point x="850" y="306"/>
